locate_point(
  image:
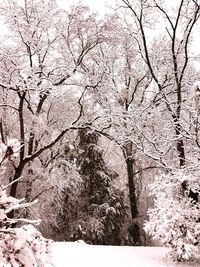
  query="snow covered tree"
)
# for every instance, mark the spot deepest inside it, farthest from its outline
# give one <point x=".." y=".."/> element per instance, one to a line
<point x="166" y="130"/>
<point x="101" y="210"/>
<point x="60" y="197"/>
<point x="174" y="220"/>
<point x="36" y="63"/>
<point x="170" y="63"/>
<point x="21" y="244"/>
<point x="116" y="65"/>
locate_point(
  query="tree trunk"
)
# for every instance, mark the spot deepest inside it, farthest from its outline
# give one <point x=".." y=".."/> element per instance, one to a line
<point x="131" y="184"/>
<point x="13" y="188"/>
<point x="134" y="229"/>
<point x="18" y="173"/>
<point x="180" y="145"/>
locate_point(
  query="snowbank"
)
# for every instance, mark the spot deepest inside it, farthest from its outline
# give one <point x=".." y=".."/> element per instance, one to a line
<point x="79" y="254"/>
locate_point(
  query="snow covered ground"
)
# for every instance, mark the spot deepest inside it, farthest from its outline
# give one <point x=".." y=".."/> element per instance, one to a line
<point x="79" y="254"/>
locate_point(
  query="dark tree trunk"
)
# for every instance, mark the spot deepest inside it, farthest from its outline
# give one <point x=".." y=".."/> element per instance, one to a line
<point x="194" y="196"/>
<point x="18" y="173"/>
<point x="13" y="188"/>
<point x="180" y="145"/>
<point x="134" y="229"/>
<point x="131" y="184"/>
<point x="181" y="152"/>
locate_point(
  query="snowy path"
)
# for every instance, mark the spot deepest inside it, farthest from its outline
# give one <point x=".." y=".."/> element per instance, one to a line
<point x="82" y="255"/>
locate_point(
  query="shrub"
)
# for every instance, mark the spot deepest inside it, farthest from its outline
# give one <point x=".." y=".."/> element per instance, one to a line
<point x="175" y="218"/>
<point x="21" y="244"/>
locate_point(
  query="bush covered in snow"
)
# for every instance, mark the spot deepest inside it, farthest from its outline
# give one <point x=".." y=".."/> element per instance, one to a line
<point x="19" y="245"/>
<point x="175" y="218"/>
<point x="23" y="246"/>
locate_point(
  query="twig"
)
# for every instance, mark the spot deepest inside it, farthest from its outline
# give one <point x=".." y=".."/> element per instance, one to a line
<point x="13" y="221"/>
<point x="6" y="186"/>
<point x="19" y="206"/>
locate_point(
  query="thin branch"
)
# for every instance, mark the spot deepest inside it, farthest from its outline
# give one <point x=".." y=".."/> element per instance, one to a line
<point x="81" y="107"/>
<point x="148" y="168"/>
<point x="2" y="132"/>
<point x="6" y="186"/>
<point x="20" y="206"/>
<point x="43" y="191"/>
<point x="6" y="105"/>
<point x="165" y="14"/>
<point x="14" y="221"/>
<point x="196" y="17"/>
<point x="46" y="147"/>
<point x="136" y="87"/>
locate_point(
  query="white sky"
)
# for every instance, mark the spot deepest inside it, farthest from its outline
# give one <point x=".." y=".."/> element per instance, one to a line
<point x="99" y="6"/>
<point x="96" y="5"/>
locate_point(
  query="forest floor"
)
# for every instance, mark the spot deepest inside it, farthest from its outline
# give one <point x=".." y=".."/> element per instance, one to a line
<point x="79" y="254"/>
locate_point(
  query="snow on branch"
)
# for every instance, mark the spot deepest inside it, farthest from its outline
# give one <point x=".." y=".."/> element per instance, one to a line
<point x="20" y="245"/>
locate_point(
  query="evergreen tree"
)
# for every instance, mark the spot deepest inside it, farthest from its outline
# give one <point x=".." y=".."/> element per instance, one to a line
<point x="102" y="209"/>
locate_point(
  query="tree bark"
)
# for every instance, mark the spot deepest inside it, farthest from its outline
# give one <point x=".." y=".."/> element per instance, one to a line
<point x="131" y="184"/>
<point x="13" y="188"/>
<point x="134" y="229"/>
<point x="18" y="173"/>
